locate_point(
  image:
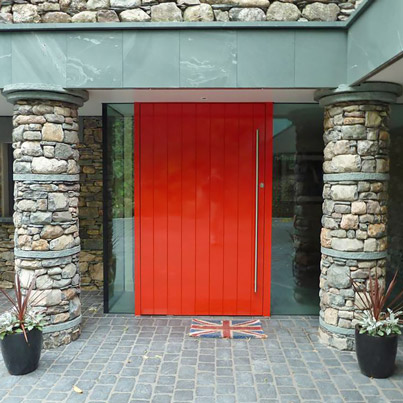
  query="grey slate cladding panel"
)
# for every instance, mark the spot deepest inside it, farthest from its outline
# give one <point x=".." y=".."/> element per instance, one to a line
<point x="375" y="38"/>
<point x="320" y="58"/>
<point x="208" y="59"/>
<point x="185" y="58"/>
<point x="38" y="58"/>
<point x="94" y="60"/>
<point x="151" y="60"/>
<point x="266" y="59"/>
<point x="5" y="59"/>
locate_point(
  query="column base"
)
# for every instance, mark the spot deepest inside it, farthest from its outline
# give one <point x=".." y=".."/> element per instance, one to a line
<point x="63" y="337"/>
<point x="338" y="341"/>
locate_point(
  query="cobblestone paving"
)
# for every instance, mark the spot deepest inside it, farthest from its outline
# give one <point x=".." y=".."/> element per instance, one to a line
<point x="121" y="359"/>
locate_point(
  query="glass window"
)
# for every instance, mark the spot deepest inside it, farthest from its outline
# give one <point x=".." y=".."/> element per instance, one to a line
<point x="395" y="227"/>
<point x="297" y="188"/>
<point x="297" y="208"/>
<point x="6" y="168"/>
<point x="119" y="208"/>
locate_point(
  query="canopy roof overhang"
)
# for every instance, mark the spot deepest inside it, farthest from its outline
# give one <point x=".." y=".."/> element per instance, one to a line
<point x="221" y="62"/>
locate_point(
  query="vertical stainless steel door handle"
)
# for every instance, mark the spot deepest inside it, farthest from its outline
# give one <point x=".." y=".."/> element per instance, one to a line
<point x="256" y="205"/>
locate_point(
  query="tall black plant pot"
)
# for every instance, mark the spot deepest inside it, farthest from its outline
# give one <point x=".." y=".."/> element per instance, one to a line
<point x="376" y="355"/>
<point x="19" y="356"/>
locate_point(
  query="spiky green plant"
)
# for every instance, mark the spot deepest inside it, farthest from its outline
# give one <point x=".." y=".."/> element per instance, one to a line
<point x="379" y="317"/>
<point x="21" y="318"/>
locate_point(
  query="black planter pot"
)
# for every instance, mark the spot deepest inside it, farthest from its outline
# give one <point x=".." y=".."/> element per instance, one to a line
<point x="19" y="356"/>
<point x="376" y="355"/>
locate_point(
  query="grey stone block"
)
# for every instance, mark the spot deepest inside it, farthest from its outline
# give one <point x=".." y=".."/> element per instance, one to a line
<point x="142" y="391"/>
<point x="246" y="394"/>
<point x="183" y="395"/>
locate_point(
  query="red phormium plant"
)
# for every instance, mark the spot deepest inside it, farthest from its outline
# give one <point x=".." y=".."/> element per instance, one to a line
<point x="375" y="301"/>
<point x="22" y="302"/>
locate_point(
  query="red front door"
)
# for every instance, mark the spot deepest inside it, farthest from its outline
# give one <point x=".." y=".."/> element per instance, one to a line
<point x="195" y="208"/>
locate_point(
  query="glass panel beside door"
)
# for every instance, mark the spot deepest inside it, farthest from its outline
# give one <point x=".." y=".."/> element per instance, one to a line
<point x="119" y="208"/>
<point x="297" y="208"/>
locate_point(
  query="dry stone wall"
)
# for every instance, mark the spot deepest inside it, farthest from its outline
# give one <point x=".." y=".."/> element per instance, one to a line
<point x="91" y="204"/>
<point x="1" y="182"/>
<point x="354" y="222"/>
<point x="89" y="11"/>
<point x="6" y="243"/>
<point x="7" y="272"/>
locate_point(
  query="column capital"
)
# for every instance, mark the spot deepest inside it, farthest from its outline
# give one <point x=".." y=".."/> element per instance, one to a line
<point x="19" y="92"/>
<point x="374" y="91"/>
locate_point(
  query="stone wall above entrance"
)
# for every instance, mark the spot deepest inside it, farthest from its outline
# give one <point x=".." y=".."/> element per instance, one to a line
<point x="88" y="11"/>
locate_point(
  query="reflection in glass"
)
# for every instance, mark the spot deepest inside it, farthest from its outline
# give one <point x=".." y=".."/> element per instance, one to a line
<point x="297" y="208"/>
<point x="395" y="189"/>
<point x="119" y="208"/>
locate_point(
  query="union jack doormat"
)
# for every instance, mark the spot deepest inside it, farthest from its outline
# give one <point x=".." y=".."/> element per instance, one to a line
<point x="227" y="329"/>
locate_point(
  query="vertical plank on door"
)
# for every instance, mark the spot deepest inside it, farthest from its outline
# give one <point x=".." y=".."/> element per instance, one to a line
<point x="160" y="208"/>
<point x="147" y="133"/>
<point x="174" y="211"/>
<point x="217" y="209"/>
<point x="231" y="198"/>
<point x="246" y="209"/>
<point x="259" y="123"/>
<point x="188" y="208"/>
<point x="202" y="208"/>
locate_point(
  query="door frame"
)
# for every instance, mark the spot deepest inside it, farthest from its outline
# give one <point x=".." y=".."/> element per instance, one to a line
<point x="267" y="197"/>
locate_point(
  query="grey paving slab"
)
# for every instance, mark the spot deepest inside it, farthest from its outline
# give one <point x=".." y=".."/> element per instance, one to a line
<point x="123" y="358"/>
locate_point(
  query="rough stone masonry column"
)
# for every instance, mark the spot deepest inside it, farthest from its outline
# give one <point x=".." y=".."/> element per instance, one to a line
<point x="46" y="191"/>
<point x="355" y="193"/>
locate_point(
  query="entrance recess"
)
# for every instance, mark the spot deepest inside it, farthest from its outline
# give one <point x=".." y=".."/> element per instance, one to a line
<point x="203" y="208"/>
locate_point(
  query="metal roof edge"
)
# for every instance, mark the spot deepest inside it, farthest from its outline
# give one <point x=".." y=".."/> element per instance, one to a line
<point x="360" y="10"/>
<point x="125" y="26"/>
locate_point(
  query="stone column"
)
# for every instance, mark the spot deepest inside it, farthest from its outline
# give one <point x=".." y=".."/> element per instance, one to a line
<point x="46" y="191"/>
<point x="355" y="193"/>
